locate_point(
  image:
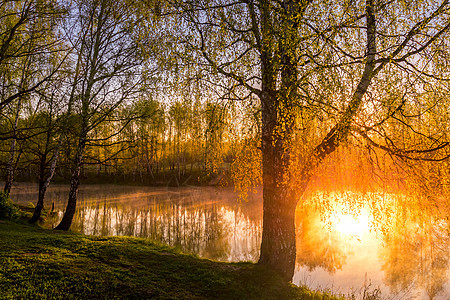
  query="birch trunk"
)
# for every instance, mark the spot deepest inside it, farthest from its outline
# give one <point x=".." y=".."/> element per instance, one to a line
<point x="66" y="221"/>
<point x="281" y="192"/>
<point x="44" y="182"/>
<point x="10" y="167"/>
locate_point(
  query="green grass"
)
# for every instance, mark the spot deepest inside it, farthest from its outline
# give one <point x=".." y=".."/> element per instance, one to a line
<point x="36" y="263"/>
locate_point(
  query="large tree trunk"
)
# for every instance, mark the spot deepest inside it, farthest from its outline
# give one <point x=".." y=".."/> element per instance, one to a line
<point x="278" y="247"/>
<point x="281" y="190"/>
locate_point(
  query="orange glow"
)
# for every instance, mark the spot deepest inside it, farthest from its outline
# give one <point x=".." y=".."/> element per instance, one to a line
<point x="351" y="225"/>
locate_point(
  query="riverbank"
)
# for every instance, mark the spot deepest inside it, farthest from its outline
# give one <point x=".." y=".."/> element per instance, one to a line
<point x="39" y="263"/>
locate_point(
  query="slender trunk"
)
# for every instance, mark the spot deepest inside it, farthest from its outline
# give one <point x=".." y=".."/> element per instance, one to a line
<point x="66" y="221"/>
<point x="44" y="182"/>
<point x="10" y="167"/>
<point x="40" y="203"/>
<point x="9" y="179"/>
<point x="155" y="159"/>
<point x="178" y="152"/>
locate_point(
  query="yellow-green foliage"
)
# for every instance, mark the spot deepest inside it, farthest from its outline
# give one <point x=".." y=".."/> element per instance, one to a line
<point x="7" y="208"/>
<point x="246" y="171"/>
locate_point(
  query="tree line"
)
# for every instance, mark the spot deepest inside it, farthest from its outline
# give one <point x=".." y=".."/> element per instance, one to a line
<point x="161" y="143"/>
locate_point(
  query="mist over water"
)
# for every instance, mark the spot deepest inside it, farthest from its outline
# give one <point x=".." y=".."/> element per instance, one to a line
<point x="346" y="242"/>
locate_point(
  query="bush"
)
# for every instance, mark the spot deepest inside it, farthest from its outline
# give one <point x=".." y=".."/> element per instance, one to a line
<point x="7" y="208"/>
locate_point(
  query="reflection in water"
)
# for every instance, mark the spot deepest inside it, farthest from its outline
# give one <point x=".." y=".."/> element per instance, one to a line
<point x="401" y="250"/>
<point x="344" y="240"/>
<point x="417" y="254"/>
<point x="317" y="246"/>
<point x="190" y="219"/>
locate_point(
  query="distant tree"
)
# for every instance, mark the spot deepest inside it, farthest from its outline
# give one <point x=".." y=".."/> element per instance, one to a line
<point x="135" y="148"/>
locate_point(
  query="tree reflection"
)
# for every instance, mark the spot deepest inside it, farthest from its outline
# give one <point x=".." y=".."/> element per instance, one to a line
<point x="416" y="254"/>
<point x="195" y="222"/>
<point x="317" y="246"/>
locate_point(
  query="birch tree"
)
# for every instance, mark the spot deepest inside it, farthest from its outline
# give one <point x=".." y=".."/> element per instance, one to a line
<point x="27" y="32"/>
<point x="109" y="60"/>
<point x="319" y="70"/>
<point x="29" y="57"/>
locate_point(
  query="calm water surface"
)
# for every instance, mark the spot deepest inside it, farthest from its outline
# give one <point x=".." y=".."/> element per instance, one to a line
<point x="347" y="242"/>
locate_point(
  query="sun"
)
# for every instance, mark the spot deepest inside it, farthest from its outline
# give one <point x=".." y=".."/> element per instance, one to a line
<point x="354" y="225"/>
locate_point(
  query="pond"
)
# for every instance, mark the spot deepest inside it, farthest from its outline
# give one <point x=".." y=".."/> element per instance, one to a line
<point x="347" y="242"/>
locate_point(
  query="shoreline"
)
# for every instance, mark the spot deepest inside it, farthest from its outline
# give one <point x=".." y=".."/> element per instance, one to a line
<point x="37" y="262"/>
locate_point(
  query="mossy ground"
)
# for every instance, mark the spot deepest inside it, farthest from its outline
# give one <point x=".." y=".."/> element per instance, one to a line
<point x="36" y="263"/>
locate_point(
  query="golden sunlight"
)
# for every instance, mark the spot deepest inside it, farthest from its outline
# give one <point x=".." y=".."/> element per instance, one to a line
<point x="348" y="224"/>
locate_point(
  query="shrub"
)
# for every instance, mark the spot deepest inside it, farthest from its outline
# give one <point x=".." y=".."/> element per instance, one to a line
<point x="7" y="208"/>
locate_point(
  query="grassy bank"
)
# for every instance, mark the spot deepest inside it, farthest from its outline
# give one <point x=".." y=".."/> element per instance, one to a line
<point x="36" y="263"/>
